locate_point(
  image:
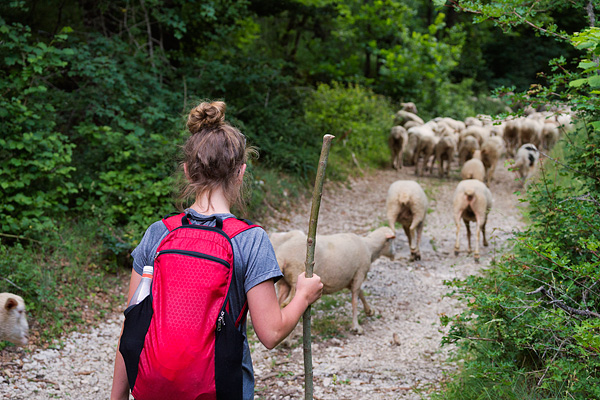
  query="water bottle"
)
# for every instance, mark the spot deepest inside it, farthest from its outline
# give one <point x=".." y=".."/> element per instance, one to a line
<point x="143" y="289"/>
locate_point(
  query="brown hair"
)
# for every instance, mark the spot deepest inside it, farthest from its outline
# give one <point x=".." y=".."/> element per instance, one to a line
<point x="213" y="154"/>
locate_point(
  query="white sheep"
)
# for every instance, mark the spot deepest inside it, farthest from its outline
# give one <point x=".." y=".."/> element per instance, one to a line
<point x="13" y="321"/>
<point x="397" y="142"/>
<point x="511" y="135"/>
<point x="278" y="238"/>
<point x="473" y="168"/>
<point x="526" y="161"/>
<point x="444" y="152"/>
<point x="550" y="135"/>
<point x="480" y="133"/>
<point x="472" y="121"/>
<point x="530" y="131"/>
<point x="497" y="129"/>
<point x="472" y="202"/>
<point x="403" y="117"/>
<point x="466" y="148"/>
<point x="491" y="150"/>
<point x="341" y="260"/>
<point x="425" y="147"/>
<point x="410" y="107"/>
<point x="407" y="204"/>
<point x="457" y="126"/>
<point x="411" y="147"/>
<point x="409" y="124"/>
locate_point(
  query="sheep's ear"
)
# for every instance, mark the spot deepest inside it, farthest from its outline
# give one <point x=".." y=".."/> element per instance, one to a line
<point x="10" y="304"/>
<point x="390" y="235"/>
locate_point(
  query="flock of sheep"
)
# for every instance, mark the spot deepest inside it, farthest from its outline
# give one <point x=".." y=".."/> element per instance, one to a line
<point x="343" y="260"/>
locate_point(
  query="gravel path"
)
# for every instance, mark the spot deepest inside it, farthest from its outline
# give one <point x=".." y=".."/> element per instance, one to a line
<point x="397" y="357"/>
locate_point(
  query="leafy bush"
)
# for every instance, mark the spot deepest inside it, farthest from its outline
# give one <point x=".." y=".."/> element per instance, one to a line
<point x="60" y="279"/>
<point x="35" y="157"/>
<point x="358" y="118"/>
<point x="532" y="321"/>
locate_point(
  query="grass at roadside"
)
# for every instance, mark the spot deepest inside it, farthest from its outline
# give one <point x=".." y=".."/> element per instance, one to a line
<point x="65" y="279"/>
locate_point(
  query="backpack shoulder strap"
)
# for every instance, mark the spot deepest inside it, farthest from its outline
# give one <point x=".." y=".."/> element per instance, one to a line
<point x="234" y="226"/>
<point x="173" y="221"/>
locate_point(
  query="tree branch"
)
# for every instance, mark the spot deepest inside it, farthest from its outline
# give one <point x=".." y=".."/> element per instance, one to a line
<point x="566" y="166"/>
<point x="561" y="304"/>
<point x="14" y="284"/>
<point x="539" y="28"/>
<point x="585" y="197"/>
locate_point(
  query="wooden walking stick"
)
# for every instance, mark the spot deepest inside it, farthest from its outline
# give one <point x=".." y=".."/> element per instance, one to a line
<point x="310" y="262"/>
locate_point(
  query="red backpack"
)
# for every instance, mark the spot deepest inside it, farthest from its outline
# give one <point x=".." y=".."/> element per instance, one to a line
<point x="182" y="342"/>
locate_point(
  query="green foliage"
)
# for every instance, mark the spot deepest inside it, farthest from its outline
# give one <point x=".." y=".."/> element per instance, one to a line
<point x="94" y="101"/>
<point x="358" y="118"/>
<point x="59" y="279"/>
<point x="35" y="157"/>
<point x="531" y="324"/>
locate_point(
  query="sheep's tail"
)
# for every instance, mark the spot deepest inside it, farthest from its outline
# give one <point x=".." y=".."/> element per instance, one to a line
<point x="404" y="198"/>
<point x="470" y="194"/>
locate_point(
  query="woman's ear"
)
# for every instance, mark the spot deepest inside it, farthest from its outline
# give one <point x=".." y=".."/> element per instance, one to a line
<point x="185" y="172"/>
<point x="241" y="173"/>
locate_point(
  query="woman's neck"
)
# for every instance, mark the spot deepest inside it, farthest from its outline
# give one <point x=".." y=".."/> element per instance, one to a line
<point x="218" y="204"/>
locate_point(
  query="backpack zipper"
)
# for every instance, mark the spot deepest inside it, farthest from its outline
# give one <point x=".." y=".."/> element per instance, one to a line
<point x="194" y="254"/>
<point x="221" y="321"/>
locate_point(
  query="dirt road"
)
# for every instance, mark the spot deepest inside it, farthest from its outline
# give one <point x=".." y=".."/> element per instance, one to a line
<point x="409" y="296"/>
<point x="409" y="299"/>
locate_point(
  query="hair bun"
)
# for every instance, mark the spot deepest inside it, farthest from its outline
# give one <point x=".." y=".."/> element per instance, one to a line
<point x="205" y="115"/>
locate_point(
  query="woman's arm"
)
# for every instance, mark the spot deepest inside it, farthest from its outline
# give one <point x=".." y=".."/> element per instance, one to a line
<point x="120" y="385"/>
<point x="271" y="323"/>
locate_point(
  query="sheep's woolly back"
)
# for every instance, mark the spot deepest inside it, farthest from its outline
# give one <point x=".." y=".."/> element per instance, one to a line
<point x="473" y="169"/>
<point x="474" y="194"/>
<point x="526" y="159"/>
<point x="408" y="193"/>
<point x="399" y="132"/>
<point x="338" y="258"/>
<point x="278" y="238"/>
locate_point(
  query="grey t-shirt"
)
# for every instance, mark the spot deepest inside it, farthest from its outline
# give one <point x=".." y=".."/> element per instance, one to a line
<point x="254" y="263"/>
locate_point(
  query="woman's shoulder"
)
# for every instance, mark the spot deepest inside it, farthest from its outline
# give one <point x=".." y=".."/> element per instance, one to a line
<point x="158" y="228"/>
<point x="154" y="233"/>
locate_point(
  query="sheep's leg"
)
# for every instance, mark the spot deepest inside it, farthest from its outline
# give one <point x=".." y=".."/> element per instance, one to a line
<point x="395" y="160"/>
<point x="283" y="290"/>
<point x="368" y="310"/>
<point x="408" y="235"/>
<point x="448" y="162"/>
<point x="415" y="234"/>
<point x="485" y="242"/>
<point x="355" y="326"/>
<point x="416" y="161"/>
<point x="468" y="235"/>
<point x="491" y="173"/>
<point x="457" y="223"/>
<point x="419" y="233"/>
<point x="292" y="293"/>
<point x="393" y="209"/>
<point x="477" y="230"/>
<point x="398" y="161"/>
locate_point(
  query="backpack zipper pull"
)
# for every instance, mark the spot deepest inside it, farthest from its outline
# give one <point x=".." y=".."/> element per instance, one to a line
<point x="221" y="321"/>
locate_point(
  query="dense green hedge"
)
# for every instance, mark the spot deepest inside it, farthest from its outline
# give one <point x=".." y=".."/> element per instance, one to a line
<point x="95" y="96"/>
<point x="531" y="325"/>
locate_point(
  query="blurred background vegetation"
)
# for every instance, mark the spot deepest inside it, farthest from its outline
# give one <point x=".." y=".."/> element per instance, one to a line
<point x="93" y="107"/>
